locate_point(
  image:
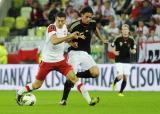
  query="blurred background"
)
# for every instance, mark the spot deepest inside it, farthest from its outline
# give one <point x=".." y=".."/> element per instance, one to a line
<point x="22" y="28"/>
<point x="23" y="24"/>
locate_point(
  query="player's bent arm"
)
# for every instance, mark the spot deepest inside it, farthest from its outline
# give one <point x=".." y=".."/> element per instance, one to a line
<point x="133" y="47"/>
<point x="113" y="49"/>
<point x="56" y="40"/>
<point x="98" y="34"/>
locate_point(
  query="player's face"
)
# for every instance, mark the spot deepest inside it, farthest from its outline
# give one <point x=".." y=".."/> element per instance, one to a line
<point x="86" y="18"/>
<point x="60" y="21"/>
<point x="125" y="31"/>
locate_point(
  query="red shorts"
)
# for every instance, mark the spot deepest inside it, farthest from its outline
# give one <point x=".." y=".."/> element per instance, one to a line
<point x="61" y="66"/>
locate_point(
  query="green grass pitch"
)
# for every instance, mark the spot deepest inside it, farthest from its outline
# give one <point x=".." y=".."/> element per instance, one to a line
<point x="110" y="103"/>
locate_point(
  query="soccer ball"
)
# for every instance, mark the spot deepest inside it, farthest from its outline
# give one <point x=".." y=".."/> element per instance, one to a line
<point x="29" y="99"/>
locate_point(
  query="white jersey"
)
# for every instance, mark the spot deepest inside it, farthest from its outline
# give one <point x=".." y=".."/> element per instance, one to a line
<point x="51" y="52"/>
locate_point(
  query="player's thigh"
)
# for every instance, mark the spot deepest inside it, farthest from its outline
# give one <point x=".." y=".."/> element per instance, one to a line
<point x="94" y="70"/>
<point x="64" y="67"/>
<point x="87" y="62"/>
<point x="119" y="69"/>
<point x="67" y="71"/>
<point x="44" y="69"/>
<point x="73" y="60"/>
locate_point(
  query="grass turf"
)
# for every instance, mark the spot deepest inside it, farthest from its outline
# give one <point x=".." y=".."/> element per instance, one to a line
<point x="110" y="103"/>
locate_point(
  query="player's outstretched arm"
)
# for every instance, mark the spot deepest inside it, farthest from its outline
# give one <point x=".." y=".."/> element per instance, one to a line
<point x="113" y="49"/>
<point x="97" y="33"/>
<point x="56" y="40"/>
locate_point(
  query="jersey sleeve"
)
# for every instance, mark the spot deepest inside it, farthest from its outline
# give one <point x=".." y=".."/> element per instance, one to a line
<point x="94" y="25"/>
<point x="73" y="26"/>
<point x="114" y="43"/>
<point x="133" y="44"/>
<point x="51" y="30"/>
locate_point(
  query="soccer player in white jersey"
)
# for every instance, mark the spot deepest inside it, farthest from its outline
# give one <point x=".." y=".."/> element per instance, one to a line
<point x="53" y="59"/>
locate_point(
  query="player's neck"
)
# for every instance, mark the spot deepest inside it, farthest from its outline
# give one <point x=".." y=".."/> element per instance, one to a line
<point x="125" y="37"/>
<point x="85" y="25"/>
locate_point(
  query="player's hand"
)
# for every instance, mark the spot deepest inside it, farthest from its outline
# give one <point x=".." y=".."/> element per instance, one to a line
<point x="105" y="41"/>
<point x="133" y="51"/>
<point x="81" y="35"/>
<point x="74" y="44"/>
<point x="116" y="53"/>
<point x="74" y="35"/>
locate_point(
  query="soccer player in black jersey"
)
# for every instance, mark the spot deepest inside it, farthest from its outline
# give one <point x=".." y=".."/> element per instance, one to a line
<point x="122" y="47"/>
<point x="79" y="54"/>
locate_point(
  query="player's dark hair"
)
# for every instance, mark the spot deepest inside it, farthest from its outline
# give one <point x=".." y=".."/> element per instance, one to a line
<point x="87" y="9"/>
<point x="61" y="14"/>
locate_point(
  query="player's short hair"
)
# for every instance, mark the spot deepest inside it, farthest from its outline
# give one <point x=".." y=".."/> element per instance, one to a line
<point x="125" y="25"/>
<point x="87" y="9"/>
<point x="61" y="14"/>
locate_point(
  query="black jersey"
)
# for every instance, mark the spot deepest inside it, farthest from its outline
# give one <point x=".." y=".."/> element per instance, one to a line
<point x="123" y="45"/>
<point x="87" y="30"/>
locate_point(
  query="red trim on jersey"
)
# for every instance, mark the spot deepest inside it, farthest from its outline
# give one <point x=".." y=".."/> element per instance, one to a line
<point x="27" y="87"/>
<point x="79" y="87"/>
<point x="51" y="28"/>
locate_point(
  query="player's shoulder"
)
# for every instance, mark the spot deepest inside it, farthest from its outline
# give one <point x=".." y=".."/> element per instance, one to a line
<point x="118" y="38"/>
<point x="51" y="28"/>
<point x="74" y="25"/>
<point x="93" y="23"/>
<point x="131" y="38"/>
<point x="51" y="25"/>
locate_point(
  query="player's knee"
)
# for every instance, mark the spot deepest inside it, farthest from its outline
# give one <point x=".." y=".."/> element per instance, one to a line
<point x="124" y="77"/>
<point x="120" y="76"/>
<point x="95" y="73"/>
<point x="73" y="79"/>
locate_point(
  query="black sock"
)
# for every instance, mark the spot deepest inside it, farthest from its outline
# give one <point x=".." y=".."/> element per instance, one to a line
<point x="116" y="80"/>
<point x="67" y="88"/>
<point x="85" y="74"/>
<point x="123" y="85"/>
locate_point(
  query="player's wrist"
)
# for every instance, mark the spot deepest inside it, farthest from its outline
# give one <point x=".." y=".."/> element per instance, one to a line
<point x="69" y="36"/>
